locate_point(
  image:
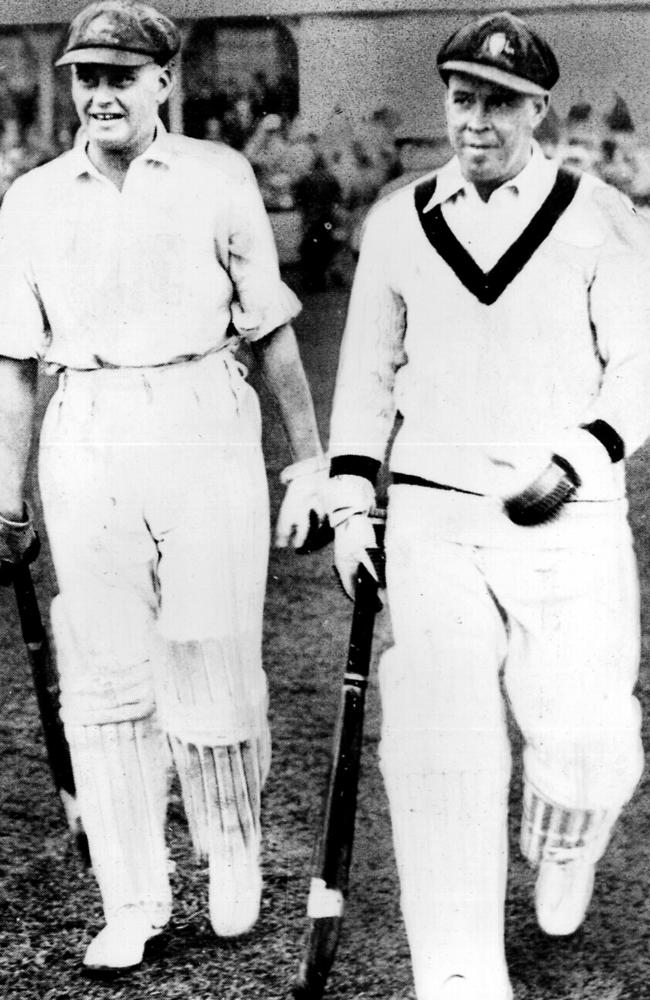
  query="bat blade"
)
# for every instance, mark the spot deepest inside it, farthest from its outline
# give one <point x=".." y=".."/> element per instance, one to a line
<point x="46" y="687"/>
<point x="320" y="948"/>
<point x="333" y="848"/>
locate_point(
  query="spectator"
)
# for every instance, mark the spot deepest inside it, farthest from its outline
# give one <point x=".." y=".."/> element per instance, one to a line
<point x="617" y="165"/>
<point x="548" y="134"/>
<point x="302" y="150"/>
<point x="267" y="150"/>
<point x="213" y="129"/>
<point x="618" y="122"/>
<point x="198" y="109"/>
<point x="239" y="121"/>
<point x="287" y="96"/>
<point x="318" y="196"/>
<point x="581" y="146"/>
<point x="13" y="154"/>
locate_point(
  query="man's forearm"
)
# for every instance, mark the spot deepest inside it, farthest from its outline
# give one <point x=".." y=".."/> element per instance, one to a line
<point x="284" y="376"/>
<point x="18" y="380"/>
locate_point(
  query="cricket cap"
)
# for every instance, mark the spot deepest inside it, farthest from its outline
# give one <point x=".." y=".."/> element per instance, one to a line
<point x="503" y="50"/>
<point x="120" y="33"/>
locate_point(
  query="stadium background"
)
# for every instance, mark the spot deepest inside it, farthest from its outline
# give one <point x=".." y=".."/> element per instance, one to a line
<point x="373" y="54"/>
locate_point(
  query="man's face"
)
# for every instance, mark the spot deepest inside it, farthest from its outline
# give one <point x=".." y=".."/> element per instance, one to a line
<point x="118" y="105"/>
<point x="490" y="129"/>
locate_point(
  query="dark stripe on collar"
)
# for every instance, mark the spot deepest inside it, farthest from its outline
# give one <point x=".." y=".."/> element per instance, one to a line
<point x="487" y="287"/>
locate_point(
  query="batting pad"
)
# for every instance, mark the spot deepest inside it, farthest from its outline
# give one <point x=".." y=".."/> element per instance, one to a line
<point x="102" y="681"/>
<point x="121" y="774"/>
<point x="550" y="832"/>
<point x="450" y="840"/>
<point x="222" y="795"/>
<point x="214" y="691"/>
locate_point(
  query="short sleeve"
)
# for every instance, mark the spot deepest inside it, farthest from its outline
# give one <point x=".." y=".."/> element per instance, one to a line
<point x="262" y="301"/>
<point x="22" y="325"/>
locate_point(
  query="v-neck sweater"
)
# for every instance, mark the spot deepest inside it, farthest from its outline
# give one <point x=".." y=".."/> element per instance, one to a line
<point x="486" y="389"/>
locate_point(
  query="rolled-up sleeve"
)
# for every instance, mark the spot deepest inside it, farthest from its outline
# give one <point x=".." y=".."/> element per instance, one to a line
<point x="22" y="322"/>
<point x="364" y="407"/>
<point x="262" y="301"/>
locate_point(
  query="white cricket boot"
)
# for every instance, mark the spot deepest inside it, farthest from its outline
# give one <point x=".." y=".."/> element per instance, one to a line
<point x="562" y="895"/>
<point x="120" y="945"/>
<point x="235" y="892"/>
<point x="222" y="791"/>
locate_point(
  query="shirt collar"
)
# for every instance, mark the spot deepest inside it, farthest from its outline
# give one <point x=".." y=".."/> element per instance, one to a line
<point x="451" y="183"/>
<point x="158" y="152"/>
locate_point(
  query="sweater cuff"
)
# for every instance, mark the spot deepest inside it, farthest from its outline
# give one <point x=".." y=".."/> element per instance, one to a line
<point x="610" y="439"/>
<point x="355" y="465"/>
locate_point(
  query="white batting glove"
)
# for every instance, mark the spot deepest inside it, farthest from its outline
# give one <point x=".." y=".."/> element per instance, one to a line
<point x="349" y="495"/>
<point x="304" y="502"/>
<point x="352" y="539"/>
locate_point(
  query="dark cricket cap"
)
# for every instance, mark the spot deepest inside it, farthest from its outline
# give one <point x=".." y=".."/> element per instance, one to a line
<point x="120" y="33"/>
<point x="502" y="49"/>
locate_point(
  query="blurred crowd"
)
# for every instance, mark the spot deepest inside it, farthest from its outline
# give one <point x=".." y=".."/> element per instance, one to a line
<point x="330" y="180"/>
<point x="22" y="147"/>
<point x="605" y="145"/>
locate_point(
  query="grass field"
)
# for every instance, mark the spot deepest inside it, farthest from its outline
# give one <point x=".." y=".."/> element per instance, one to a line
<point x="50" y="908"/>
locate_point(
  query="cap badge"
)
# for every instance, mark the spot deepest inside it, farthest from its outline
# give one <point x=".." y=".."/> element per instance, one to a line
<point x="103" y="25"/>
<point x="497" y="45"/>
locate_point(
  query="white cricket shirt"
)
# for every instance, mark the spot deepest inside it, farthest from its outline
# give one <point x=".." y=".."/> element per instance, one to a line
<point x="95" y="277"/>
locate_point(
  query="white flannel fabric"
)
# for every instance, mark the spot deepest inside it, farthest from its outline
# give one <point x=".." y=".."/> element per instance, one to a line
<point x="481" y="606"/>
<point x="94" y="277"/>
<point x="486" y="391"/>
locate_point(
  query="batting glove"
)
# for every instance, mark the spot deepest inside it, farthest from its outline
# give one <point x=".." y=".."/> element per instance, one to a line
<point x="303" y="514"/>
<point x="349" y="495"/>
<point x="19" y="543"/>
<point x="352" y="539"/>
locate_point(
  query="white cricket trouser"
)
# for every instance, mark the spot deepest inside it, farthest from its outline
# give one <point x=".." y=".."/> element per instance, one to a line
<point x="156" y="507"/>
<point x="558" y="625"/>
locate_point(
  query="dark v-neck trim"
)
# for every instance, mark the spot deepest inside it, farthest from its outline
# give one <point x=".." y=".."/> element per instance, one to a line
<point x="488" y="286"/>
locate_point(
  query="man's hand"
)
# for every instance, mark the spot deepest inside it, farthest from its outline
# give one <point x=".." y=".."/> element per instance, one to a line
<point x="352" y="539"/>
<point x="19" y="544"/>
<point x="580" y="461"/>
<point x="303" y="509"/>
<point x="544" y="498"/>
